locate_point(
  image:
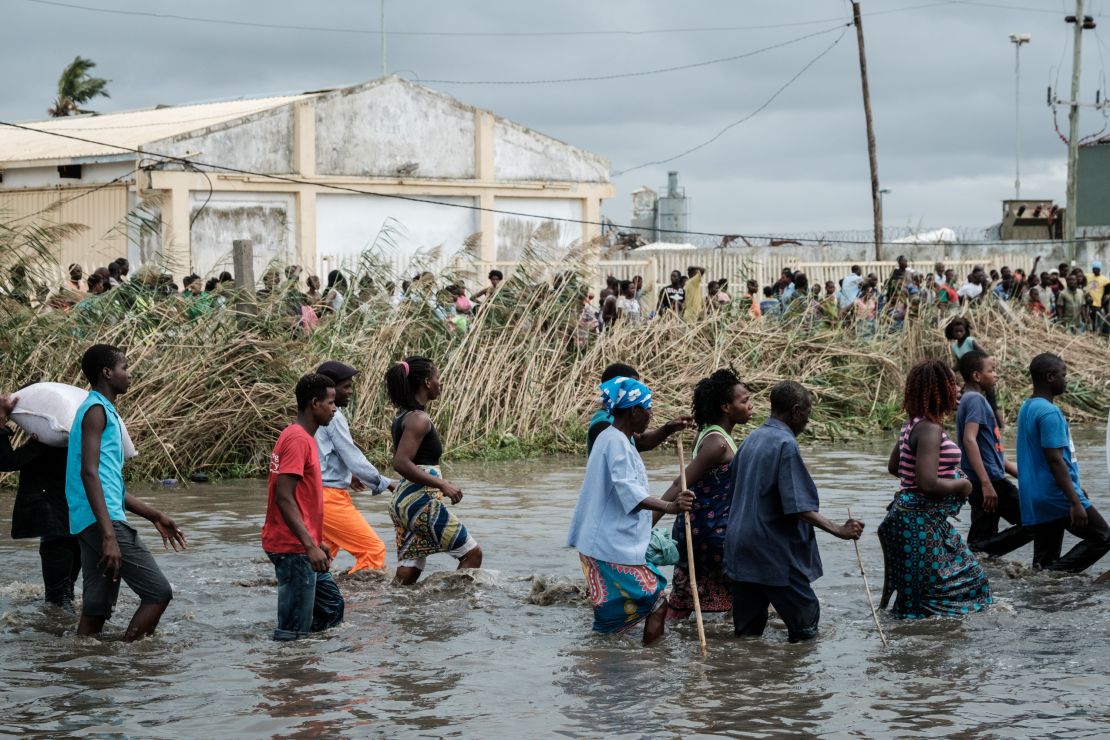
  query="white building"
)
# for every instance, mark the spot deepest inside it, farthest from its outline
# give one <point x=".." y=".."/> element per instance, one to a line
<point x="346" y="161"/>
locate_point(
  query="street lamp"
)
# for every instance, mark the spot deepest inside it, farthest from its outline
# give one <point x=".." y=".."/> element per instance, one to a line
<point x="1018" y="39"/>
<point x="882" y="192"/>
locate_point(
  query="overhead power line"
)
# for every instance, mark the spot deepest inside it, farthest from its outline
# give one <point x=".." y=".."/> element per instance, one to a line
<point x="84" y="193"/>
<point x="746" y="118"/>
<point x="192" y="162"/>
<point x="642" y="73"/>
<point x="493" y="34"/>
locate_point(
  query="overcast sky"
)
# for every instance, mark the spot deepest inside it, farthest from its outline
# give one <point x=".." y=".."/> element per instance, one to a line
<point x="942" y="83"/>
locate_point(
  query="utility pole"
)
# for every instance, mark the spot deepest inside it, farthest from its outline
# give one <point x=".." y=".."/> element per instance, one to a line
<point x="1080" y="22"/>
<point x="1018" y="39"/>
<point x="876" y="197"/>
<point x="381" y="28"/>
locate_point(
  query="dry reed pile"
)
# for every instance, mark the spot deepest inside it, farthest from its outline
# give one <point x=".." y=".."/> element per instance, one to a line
<point x="211" y="394"/>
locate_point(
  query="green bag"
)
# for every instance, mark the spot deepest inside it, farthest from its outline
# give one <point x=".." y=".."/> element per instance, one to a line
<point x="662" y="549"/>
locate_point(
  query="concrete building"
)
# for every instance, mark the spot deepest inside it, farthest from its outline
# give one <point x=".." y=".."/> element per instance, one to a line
<point x="1093" y="186"/>
<point x="348" y="162"/>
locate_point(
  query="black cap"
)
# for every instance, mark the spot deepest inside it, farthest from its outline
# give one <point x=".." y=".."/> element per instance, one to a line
<point x="337" y="371"/>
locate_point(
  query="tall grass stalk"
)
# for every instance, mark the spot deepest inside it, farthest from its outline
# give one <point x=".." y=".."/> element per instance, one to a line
<point x="211" y="394"/>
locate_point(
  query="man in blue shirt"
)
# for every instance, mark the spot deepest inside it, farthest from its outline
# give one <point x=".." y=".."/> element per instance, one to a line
<point x="97" y="499"/>
<point x="770" y="550"/>
<point x="1052" y="499"/>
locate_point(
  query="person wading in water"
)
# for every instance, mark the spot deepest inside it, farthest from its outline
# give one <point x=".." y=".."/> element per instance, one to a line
<point x="424" y="525"/>
<point x="721" y="401"/>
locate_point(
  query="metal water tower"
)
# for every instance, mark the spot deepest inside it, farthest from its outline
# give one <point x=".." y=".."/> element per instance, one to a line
<point x="672" y="212"/>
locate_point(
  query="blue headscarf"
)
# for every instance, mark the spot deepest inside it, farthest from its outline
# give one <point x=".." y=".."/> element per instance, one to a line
<point x="624" y="393"/>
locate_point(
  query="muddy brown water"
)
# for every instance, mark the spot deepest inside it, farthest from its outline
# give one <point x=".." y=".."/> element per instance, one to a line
<point x="508" y="652"/>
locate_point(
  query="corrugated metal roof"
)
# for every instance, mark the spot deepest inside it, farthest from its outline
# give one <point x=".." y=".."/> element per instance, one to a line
<point x="130" y="129"/>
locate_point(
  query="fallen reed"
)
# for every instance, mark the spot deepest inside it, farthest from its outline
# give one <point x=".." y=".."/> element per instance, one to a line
<point x="210" y="394"/>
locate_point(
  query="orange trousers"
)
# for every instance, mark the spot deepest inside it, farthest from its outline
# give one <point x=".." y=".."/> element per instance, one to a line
<point x="346" y="529"/>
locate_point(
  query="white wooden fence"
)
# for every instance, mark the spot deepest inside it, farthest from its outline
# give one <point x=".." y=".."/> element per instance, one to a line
<point x="735" y="266"/>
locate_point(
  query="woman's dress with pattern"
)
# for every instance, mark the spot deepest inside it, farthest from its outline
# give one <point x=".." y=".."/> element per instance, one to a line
<point x="929" y="569"/>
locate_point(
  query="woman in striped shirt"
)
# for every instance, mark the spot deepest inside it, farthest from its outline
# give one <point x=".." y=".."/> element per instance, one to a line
<point x="928" y="565"/>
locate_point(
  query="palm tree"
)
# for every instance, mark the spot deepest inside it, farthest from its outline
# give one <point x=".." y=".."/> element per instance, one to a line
<point x="76" y="88"/>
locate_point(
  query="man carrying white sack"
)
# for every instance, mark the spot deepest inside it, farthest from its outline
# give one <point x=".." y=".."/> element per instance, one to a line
<point x="40" y="508"/>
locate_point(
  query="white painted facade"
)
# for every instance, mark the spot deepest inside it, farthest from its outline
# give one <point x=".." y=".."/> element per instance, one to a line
<point x="348" y="225"/>
<point x="309" y="178"/>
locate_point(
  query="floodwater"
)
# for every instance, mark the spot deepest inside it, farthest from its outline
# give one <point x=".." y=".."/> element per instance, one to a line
<point x="508" y="652"/>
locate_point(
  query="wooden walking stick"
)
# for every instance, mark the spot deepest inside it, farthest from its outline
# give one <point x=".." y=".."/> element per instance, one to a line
<point x="690" y="555"/>
<point x="867" y="588"/>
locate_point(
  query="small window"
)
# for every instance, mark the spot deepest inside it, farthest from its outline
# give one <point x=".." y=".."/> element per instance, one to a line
<point x="69" y="171"/>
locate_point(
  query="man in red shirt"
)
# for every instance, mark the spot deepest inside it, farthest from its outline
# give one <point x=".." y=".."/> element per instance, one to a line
<point x="308" y="599"/>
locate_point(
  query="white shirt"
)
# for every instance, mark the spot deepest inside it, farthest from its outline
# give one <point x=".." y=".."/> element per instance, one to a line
<point x="605" y="525"/>
<point x="970" y="290"/>
<point x="630" y="309"/>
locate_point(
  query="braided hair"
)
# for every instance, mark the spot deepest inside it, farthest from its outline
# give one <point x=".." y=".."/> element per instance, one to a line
<point x="711" y="393"/>
<point x="402" y="380"/>
<point x="931" y="391"/>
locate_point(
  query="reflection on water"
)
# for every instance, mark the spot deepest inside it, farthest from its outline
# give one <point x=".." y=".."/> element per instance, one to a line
<point x="507" y="651"/>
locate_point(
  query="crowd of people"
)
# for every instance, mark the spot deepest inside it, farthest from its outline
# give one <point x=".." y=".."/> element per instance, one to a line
<point x="299" y="300"/>
<point x="752" y="504"/>
<point x="1067" y="295"/>
<point x="1076" y="300"/>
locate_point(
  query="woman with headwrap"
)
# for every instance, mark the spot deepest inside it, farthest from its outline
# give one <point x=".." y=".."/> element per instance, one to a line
<point x="612" y="521"/>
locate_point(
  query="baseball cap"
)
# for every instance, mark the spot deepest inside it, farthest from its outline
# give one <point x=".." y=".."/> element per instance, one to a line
<point x="337" y="370"/>
<point x="1096" y="265"/>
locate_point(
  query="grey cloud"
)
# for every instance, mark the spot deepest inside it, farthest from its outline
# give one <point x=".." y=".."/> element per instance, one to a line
<point x="942" y="82"/>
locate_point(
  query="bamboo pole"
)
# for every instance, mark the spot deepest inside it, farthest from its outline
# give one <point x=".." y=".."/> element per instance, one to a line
<point x="690" y="555"/>
<point x="867" y="588"/>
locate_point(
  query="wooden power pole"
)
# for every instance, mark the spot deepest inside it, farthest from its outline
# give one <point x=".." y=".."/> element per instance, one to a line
<point x="1070" y="215"/>
<point x="876" y="198"/>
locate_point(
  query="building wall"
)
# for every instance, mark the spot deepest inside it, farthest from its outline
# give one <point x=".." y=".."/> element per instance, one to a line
<point x="372" y="131"/>
<point x="1093" y="185"/>
<point x="547" y="238"/>
<point x="267" y="219"/>
<point x="262" y="142"/>
<point x="101" y="212"/>
<point x="523" y="154"/>
<point x="47" y="177"/>
<point x="400" y="231"/>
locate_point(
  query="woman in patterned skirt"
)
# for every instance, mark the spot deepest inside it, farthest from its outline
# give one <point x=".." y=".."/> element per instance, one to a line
<point x="929" y="569"/>
<point x="612" y="520"/>
<point x="423" y="523"/>
<point x="721" y="402"/>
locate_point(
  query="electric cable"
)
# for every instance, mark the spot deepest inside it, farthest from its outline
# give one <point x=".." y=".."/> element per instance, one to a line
<point x="428" y="201"/>
<point x="644" y="73"/>
<point x="435" y="34"/>
<point x="59" y="203"/>
<point x="746" y="118"/>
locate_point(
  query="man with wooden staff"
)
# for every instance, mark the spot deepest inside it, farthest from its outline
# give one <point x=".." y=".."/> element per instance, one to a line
<point x="771" y="553"/>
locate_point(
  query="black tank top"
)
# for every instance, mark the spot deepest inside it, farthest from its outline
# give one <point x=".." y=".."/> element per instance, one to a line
<point x="431" y="447"/>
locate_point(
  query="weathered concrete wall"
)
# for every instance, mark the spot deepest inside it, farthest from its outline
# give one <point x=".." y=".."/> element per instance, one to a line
<point x="47" y="177"/>
<point x="347" y="225"/>
<point x="260" y="143"/>
<point x="1094" y="186"/>
<point x="373" y="130"/>
<point x="523" y="154"/>
<point x="265" y="218"/>
<point x="548" y="238"/>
